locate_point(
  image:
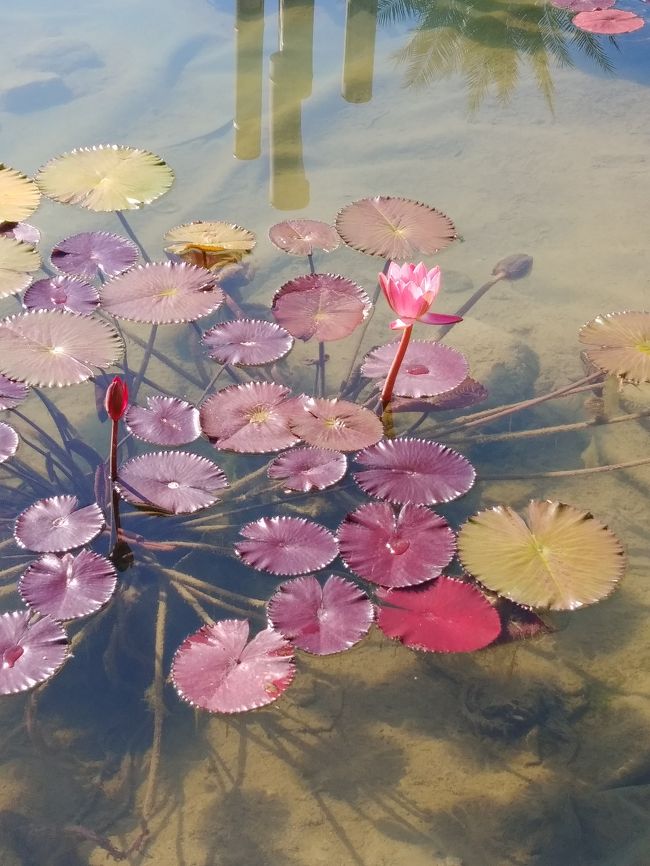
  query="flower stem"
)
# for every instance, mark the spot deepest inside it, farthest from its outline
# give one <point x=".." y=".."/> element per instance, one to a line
<point x="389" y="384"/>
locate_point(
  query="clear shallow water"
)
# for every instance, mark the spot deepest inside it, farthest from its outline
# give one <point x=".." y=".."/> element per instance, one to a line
<point x="379" y="756"/>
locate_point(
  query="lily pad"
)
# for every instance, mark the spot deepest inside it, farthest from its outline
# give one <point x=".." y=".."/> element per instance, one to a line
<point x="286" y="545"/>
<point x="304" y="469"/>
<point x="219" y="670"/>
<point x="609" y="21"/>
<point x="321" y="306"/>
<point x="302" y="237"/>
<point x="56" y="347"/>
<point x="337" y="425"/>
<point x="25" y="232"/>
<point x="249" y="342"/>
<point x="105" y="177"/>
<point x="31" y="650"/>
<point x="619" y="343"/>
<point x="94" y="254"/>
<point x="18" y="261"/>
<point x="19" y="195"/>
<point x="11" y="393"/>
<point x="321" y="620"/>
<point x="164" y="421"/>
<point x="62" y="293"/>
<point x="394" y="228"/>
<point x="56" y="524"/>
<point x="428" y="368"/>
<point x="211" y="245"/>
<point x="8" y="442"/>
<point x="555" y="557"/>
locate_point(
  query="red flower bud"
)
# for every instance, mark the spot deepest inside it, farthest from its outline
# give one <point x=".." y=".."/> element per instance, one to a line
<point x="116" y="399"/>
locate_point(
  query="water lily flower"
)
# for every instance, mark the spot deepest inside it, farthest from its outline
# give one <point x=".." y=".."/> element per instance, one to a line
<point x="410" y="291"/>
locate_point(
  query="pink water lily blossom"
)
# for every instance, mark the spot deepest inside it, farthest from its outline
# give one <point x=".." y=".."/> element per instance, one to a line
<point x="410" y="291"/>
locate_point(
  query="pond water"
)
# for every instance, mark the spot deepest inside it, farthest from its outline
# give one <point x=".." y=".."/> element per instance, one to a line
<point x="532" y="137"/>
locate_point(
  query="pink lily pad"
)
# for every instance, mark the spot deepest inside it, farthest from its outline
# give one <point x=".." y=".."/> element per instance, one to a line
<point x="165" y="421"/>
<point x="8" y="442"/>
<point x="174" y="481"/>
<point x="68" y="586"/>
<point x="249" y="342"/>
<point x="302" y="237"/>
<point x="24" y="232"/>
<point x="56" y="524"/>
<point x="304" y="469"/>
<point x="321" y="306"/>
<point x="395" y="549"/>
<point x="414" y="470"/>
<point x="582" y="5"/>
<point x="250" y="419"/>
<point x="321" y="620"/>
<point x="219" y="670"/>
<point x="31" y="650"/>
<point x="62" y="293"/>
<point x="286" y="545"/>
<point x="12" y="393"/>
<point x="394" y="228"/>
<point x="428" y="368"/>
<point x="337" y="425"/>
<point x="608" y="21"/>
<point x="443" y="616"/>
<point x="162" y="293"/>
<point x="94" y="254"/>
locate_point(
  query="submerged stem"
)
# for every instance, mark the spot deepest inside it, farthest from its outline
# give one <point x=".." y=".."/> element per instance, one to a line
<point x="158" y="706"/>
<point x="562" y="473"/>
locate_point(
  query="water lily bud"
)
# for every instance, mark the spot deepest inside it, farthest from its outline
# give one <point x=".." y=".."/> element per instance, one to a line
<point x="514" y="267"/>
<point x="117" y="399"/>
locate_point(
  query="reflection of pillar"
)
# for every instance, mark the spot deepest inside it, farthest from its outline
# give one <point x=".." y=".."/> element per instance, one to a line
<point x="249" y="31"/>
<point x="359" y="59"/>
<point x="291" y="74"/>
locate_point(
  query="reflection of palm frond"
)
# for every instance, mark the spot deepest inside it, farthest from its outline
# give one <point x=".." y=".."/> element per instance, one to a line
<point x="430" y="55"/>
<point x="392" y="11"/>
<point x="544" y="78"/>
<point x="589" y="45"/>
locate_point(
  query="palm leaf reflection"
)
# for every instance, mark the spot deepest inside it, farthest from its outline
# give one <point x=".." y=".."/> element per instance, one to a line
<point x="488" y="42"/>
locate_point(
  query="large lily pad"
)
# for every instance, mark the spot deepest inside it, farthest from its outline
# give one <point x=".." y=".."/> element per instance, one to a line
<point x="105" y="177"/>
<point x="320" y="306"/>
<point x="18" y="261"/>
<point x="428" y="368"/>
<point x="19" y="195"/>
<point x="211" y="245"/>
<point x="619" y="343"/>
<point x="556" y="556"/>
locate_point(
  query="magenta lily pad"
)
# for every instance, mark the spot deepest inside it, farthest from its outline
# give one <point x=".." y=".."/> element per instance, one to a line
<point x="443" y="616"/>
<point x="413" y="470"/>
<point x="62" y="293"/>
<point x="304" y="469"/>
<point x="249" y="342"/>
<point x="608" y="21"/>
<point x="12" y="393"/>
<point x="31" y="650"/>
<point x="8" y="442"/>
<point x="321" y="620"/>
<point x="161" y="294"/>
<point x="56" y="524"/>
<point x="394" y="228"/>
<point x="619" y="343"/>
<point x="94" y="254"/>
<point x="219" y="670"/>
<point x="286" y="545"/>
<point x="395" y="548"/>
<point x="320" y="306"/>
<point x="174" y="481"/>
<point x="68" y="586"/>
<point x="428" y="368"/>
<point x="337" y="425"/>
<point x="302" y="237"/>
<point x="56" y="347"/>
<point x="164" y="421"/>
<point x="251" y="418"/>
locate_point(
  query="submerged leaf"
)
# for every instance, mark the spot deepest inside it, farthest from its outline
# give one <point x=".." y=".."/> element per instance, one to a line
<point x="56" y="524"/>
<point x="94" y="254"/>
<point x="619" y="343"/>
<point x="320" y="306"/>
<point x="302" y="237"/>
<point x="286" y="545"/>
<point x="31" y="650"/>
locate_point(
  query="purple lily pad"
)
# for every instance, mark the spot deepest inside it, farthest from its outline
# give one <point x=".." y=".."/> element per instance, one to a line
<point x="161" y="294"/>
<point x="56" y="524"/>
<point x="61" y="293"/>
<point x="24" y="232"/>
<point x="443" y="616"/>
<point x="249" y="342"/>
<point x="286" y="545"/>
<point x="428" y="368"/>
<point x="414" y="470"/>
<point x="250" y="419"/>
<point x="12" y="393"/>
<point x="165" y="421"/>
<point x="304" y="469"/>
<point x="68" y="586"/>
<point x="302" y="237"/>
<point x="321" y="306"/>
<point x="94" y="254"/>
<point x="321" y="620"/>
<point x="217" y="669"/>
<point x="8" y="442"/>
<point x="174" y="481"/>
<point x="31" y="650"/>
<point x="395" y="549"/>
<point x="337" y="425"/>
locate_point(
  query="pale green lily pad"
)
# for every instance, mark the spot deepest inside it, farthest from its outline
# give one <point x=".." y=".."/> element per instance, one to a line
<point x="619" y="343"/>
<point x="19" y="195"/>
<point x="555" y="557"/>
<point x="18" y="261"/>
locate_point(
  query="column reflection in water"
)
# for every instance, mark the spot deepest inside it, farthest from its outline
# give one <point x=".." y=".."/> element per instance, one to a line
<point x="291" y="74"/>
<point x="359" y="57"/>
<point x="249" y="31"/>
